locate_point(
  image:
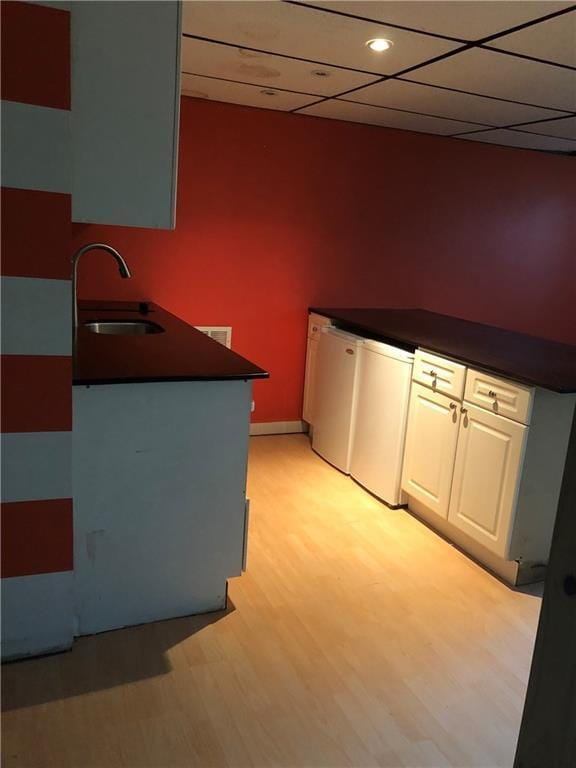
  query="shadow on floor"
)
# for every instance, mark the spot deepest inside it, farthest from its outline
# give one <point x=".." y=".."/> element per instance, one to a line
<point x="536" y="589"/>
<point x="100" y="661"/>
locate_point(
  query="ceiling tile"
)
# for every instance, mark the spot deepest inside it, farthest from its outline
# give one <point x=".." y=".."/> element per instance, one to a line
<point x="360" y="113"/>
<point x="553" y="40"/>
<point x="239" y="93"/>
<point x="303" y="32"/>
<point x="402" y="94"/>
<point x="522" y="140"/>
<point x="463" y="20"/>
<point x="490" y="73"/>
<point x="564" y="128"/>
<point x="201" y="58"/>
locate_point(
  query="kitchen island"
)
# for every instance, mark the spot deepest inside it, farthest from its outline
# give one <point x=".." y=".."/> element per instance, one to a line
<point x="160" y="440"/>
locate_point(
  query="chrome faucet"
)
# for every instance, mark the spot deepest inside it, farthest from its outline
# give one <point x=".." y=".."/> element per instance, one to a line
<point x="122" y="267"/>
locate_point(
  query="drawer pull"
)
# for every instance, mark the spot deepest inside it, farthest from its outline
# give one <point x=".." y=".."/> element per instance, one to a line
<point x="493" y="394"/>
<point x="432" y="373"/>
<point x="452" y="406"/>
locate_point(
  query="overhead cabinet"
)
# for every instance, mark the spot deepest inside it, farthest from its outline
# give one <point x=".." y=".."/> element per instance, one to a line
<point x="483" y="462"/>
<point x="125" y="112"/>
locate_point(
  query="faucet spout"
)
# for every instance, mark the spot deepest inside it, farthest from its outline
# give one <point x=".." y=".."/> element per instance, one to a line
<point x="122" y="268"/>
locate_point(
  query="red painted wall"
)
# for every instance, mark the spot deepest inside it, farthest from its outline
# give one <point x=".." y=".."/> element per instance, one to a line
<point x="277" y="212"/>
<point x="35" y="43"/>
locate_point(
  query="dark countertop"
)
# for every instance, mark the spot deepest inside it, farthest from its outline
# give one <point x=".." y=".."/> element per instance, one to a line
<point x="527" y="359"/>
<point x="180" y="353"/>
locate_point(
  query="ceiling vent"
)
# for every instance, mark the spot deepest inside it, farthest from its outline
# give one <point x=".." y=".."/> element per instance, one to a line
<point x="220" y="333"/>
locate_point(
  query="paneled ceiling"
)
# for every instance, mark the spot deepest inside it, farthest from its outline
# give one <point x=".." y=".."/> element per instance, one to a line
<point x="502" y="72"/>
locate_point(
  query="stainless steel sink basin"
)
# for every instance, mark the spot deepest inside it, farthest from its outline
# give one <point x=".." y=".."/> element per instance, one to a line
<point x="124" y="327"/>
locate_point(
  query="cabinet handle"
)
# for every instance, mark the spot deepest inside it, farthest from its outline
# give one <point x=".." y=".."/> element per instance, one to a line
<point x="433" y="373"/>
<point x="453" y="406"/>
<point x="493" y="394"/>
<point x="463" y="410"/>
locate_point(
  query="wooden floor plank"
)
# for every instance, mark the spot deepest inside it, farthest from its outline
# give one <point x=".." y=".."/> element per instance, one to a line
<point x="356" y="638"/>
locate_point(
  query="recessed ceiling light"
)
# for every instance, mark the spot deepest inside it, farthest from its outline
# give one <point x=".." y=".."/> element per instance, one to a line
<point x="320" y="73"/>
<point x="267" y="92"/>
<point x="379" y="44"/>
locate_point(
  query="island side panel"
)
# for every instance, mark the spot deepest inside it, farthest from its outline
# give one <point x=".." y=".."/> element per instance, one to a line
<point x="159" y="480"/>
<point x="539" y="492"/>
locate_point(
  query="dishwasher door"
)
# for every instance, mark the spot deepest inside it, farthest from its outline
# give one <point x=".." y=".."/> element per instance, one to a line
<point x="335" y="396"/>
<point x="381" y="416"/>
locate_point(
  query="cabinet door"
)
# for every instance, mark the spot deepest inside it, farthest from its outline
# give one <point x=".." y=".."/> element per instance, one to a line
<point x="430" y="448"/>
<point x="308" y="407"/>
<point x="486" y="477"/>
<point x="125" y="111"/>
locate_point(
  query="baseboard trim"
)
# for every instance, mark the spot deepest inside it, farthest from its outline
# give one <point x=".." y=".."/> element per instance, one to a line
<point x="513" y="572"/>
<point x="278" y="427"/>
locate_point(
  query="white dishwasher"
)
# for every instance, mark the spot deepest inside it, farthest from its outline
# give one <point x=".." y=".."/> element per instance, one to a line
<point x="335" y="396"/>
<point x="383" y="394"/>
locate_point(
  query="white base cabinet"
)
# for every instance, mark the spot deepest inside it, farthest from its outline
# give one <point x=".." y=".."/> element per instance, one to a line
<point x="483" y="463"/>
<point x="430" y="448"/>
<point x="487" y="476"/>
<point x="160" y="513"/>
<point x="315" y="325"/>
<point x="309" y="380"/>
<point x="382" y="399"/>
<point x="336" y="389"/>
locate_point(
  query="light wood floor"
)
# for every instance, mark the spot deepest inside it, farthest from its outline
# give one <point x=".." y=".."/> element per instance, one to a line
<point x="356" y="638"/>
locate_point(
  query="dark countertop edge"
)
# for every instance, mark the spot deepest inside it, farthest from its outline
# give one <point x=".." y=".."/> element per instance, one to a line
<point x="359" y="329"/>
<point x="148" y="308"/>
<point x="78" y="382"/>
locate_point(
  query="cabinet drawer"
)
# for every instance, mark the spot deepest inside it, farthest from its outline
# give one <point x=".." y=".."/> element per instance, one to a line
<point x="501" y="396"/>
<point x="439" y="374"/>
<point x="316" y="323"/>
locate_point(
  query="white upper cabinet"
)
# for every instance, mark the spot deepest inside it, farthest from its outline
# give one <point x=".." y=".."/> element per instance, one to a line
<point x="125" y="112"/>
<point x="487" y="477"/>
<point x="430" y="448"/>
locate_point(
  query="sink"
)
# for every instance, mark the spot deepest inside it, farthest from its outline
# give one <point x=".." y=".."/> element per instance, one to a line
<point x="124" y="327"/>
